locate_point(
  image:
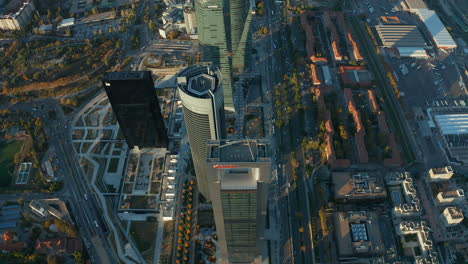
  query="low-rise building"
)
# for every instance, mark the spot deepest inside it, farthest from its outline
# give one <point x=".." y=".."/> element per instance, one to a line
<point x="358" y="186"/>
<point x="47" y="208"/>
<point x="58" y="246"/>
<point x="440" y="174"/>
<point x="403" y="193"/>
<point x="421" y="245"/>
<point x="68" y="22"/>
<point x="9" y="217"/>
<point x="451" y="197"/>
<point x="452" y="216"/>
<point x="16" y="14"/>
<point x="44" y="29"/>
<point x="407" y="39"/>
<point x="436" y="28"/>
<point x="358" y="232"/>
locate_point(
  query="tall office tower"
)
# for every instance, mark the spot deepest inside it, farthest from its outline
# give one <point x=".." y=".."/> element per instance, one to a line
<point x="224" y="35"/>
<point x="201" y="91"/>
<point x="135" y="104"/>
<point x="239" y="174"/>
<point x="190" y="20"/>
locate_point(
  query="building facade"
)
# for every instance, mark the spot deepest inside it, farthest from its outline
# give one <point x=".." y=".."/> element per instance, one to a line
<point x="135" y="104"/>
<point x="190" y="20"/>
<point x="239" y="174"/>
<point x="224" y="35"/>
<point x="201" y="91"/>
<point x="16" y="17"/>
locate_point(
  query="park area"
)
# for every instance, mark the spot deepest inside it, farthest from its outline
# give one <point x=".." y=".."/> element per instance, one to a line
<point x="54" y="68"/>
<point x="144" y="234"/>
<point x="7" y="157"/>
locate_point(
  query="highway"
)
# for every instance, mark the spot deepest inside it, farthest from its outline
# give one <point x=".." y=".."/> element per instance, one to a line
<point x="85" y="211"/>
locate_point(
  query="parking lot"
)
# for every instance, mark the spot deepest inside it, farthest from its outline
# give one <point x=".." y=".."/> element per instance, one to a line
<point x="422" y="80"/>
<point x="91" y="30"/>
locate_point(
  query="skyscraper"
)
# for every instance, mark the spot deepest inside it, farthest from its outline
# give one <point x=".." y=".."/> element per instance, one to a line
<point x="224" y="36"/>
<point x="201" y="91"/>
<point x="239" y="173"/>
<point x="136" y="107"/>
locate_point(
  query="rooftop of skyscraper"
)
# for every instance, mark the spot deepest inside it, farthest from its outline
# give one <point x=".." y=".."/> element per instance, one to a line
<point x="239" y="150"/>
<point x="199" y="80"/>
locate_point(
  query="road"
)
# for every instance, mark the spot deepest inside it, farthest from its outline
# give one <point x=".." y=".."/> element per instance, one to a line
<point x="292" y="203"/>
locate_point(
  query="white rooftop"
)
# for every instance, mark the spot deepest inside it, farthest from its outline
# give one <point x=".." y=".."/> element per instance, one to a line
<point x="438" y="31"/>
<point x="452" y="124"/>
<point x="412" y="52"/>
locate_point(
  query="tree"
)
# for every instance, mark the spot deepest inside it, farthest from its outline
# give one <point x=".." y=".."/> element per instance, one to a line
<point x="323" y="221"/>
<point x="152" y="26"/>
<point x="53" y="259"/>
<point x="38" y="123"/>
<point x="79" y="259"/>
<point x="173" y="34"/>
<point x="279" y="123"/>
<point x="17" y="159"/>
<point x="294" y="163"/>
<point x="264" y="30"/>
<point x="343" y="132"/>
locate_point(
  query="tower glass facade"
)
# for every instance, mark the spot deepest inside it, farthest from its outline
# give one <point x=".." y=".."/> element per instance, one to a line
<point x="135" y="104"/>
<point x="239" y="174"/>
<point x="240" y="223"/>
<point x="224" y="34"/>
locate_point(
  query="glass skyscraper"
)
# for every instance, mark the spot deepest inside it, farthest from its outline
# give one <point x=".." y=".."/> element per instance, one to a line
<point x="239" y="174"/>
<point x="224" y="36"/>
<point x="135" y="104"/>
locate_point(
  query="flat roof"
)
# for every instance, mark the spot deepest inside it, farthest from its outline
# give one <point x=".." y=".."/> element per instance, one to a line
<point x="412" y="52"/>
<point x="199" y="80"/>
<point x="452" y="124"/>
<point x="359" y="232"/>
<point x="400" y="36"/>
<point x="416" y="4"/>
<point x="239" y="150"/>
<point x="441" y="36"/>
<point x="357" y="186"/>
<point x="239" y="179"/>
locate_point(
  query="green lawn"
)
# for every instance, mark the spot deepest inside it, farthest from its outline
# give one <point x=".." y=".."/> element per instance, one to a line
<point x="144" y="234"/>
<point x="113" y="165"/>
<point x="7" y="166"/>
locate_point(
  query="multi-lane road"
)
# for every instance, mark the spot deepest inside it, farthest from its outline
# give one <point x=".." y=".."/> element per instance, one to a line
<point x="295" y="245"/>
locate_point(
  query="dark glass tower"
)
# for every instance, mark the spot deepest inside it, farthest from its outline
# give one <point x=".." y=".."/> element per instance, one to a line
<point x="134" y="101"/>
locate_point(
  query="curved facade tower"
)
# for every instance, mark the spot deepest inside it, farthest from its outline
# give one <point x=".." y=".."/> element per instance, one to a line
<point x="201" y="91"/>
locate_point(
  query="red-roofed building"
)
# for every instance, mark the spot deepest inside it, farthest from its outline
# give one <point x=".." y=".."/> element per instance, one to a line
<point x="352" y="75"/>
<point x="373" y="100"/>
<point x="329" y="131"/>
<point x="308" y="27"/>
<point x="359" y="136"/>
<point x="395" y="160"/>
<point x="12" y="246"/>
<point x="9" y="236"/>
<point x="314" y="75"/>
<point x="336" y="51"/>
<point x="356" y="53"/>
<point x="58" y="246"/>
